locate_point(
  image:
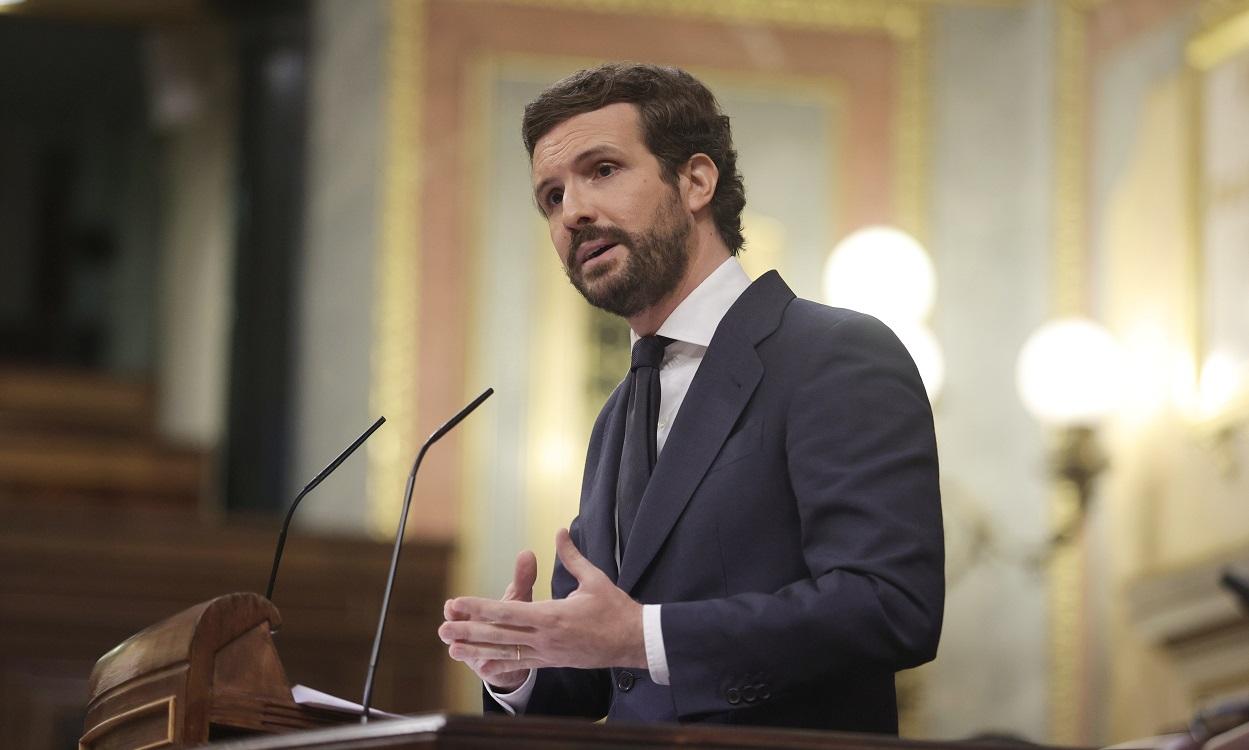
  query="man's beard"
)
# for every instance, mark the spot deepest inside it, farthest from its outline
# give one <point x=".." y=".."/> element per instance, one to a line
<point x="652" y="267"/>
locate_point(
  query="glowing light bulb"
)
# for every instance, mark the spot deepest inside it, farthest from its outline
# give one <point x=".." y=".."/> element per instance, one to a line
<point x="883" y="272"/>
<point x="1070" y="372"/>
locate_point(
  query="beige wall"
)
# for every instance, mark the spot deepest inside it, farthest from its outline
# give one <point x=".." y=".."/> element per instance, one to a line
<point x="1173" y="504"/>
<point x="196" y="263"/>
<point x="337" y="283"/>
<point x="992" y="179"/>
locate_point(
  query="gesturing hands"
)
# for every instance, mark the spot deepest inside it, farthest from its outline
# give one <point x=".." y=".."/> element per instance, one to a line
<point x="597" y="625"/>
<point x="502" y="674"/>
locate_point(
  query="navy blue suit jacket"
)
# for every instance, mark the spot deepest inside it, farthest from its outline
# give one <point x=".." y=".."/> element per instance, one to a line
<point x="791" y="529"/>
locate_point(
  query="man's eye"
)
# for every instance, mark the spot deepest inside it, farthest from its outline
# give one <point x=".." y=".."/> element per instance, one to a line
<point x="605" y="169"/>
<point x="554" y="198"/>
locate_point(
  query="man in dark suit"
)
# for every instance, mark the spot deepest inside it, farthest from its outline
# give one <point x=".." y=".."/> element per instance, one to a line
<point x="767" y="548"/>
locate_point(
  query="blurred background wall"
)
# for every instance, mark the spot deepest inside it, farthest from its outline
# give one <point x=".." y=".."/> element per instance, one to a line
<point x="236" y="232"/>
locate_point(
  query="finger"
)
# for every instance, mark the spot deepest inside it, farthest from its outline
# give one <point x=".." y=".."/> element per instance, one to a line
<point x="483" y="632"/>
<point x="575" y="562"/>
<point x="474" y="608"/>
<point x="449" y="612"/>
<point x="523" y="578"/>
<point x="466" y="651"/>
<point x="525" y="614"/>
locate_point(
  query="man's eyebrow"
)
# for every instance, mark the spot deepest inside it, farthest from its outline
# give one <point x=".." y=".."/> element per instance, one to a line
<point x="591" y="154"/>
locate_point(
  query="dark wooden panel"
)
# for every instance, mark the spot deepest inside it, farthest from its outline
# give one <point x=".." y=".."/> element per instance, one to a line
<point x="77" y="580"/>
<point x="473" y="732"/>
<point x="43" y="398"/>
<point x="78" y="436"/>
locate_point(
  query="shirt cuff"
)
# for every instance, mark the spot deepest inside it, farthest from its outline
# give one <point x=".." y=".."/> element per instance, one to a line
<point x="515" y="701"/>
<point x="653" y="636"/>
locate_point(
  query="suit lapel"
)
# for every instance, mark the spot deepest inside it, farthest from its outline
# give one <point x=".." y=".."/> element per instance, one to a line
<point x="726" y="379"/>
<point x="598" y="496"/>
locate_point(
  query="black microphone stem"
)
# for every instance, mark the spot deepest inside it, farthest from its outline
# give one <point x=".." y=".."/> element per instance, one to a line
<point x="394" y="556"/>
<point x="1236" y="583"/>
<point x="290" y="513"/>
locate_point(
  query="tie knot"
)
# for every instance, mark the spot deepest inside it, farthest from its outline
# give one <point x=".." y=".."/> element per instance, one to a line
<point x="648" y="351"/>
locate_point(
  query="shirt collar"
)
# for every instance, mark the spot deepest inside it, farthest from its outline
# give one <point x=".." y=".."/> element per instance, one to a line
<point x="694" y="321"/>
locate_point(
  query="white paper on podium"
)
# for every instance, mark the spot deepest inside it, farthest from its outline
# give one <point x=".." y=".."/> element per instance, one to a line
<point x="306" y="696"/>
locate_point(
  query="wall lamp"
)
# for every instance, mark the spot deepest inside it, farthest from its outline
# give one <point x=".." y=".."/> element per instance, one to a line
<point x="1070" y="378"/>
<point x="1219" y="408"/>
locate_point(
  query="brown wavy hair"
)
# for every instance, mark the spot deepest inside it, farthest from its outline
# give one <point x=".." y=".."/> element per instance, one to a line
<point x="680" y="117"/>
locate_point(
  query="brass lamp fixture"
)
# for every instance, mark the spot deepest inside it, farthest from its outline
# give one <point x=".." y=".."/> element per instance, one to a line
<point x="1069" y="376"/>
<point x="1219" y="408"/>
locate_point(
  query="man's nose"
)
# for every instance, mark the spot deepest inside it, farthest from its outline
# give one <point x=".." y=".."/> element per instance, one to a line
<point x="577" y="209"/>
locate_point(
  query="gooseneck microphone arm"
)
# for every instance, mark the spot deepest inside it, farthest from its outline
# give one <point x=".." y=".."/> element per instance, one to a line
<point x="394" y="557"/>
<point x="1238" y="584"/>
<point x="290" y="513"/>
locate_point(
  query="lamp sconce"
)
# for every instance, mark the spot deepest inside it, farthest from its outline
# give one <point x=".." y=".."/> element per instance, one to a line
<point x="1069" y="376"/>
<point x="1220" y="408"/>
<point x="1078" y="459"/>
<point x="1222" y="436"/>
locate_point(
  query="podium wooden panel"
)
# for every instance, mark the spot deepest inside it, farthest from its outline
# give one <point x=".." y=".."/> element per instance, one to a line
<point x="79" y="580"/>
<point x="209" y="671"/>
<point x="439" y="731"/>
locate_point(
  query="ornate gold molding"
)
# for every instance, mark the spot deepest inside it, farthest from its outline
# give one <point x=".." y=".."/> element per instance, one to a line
<point x="910" y="132"/>
<point x="1071" y="150"/>
<point x="905" y="21"/>
<point x="1224" y="32"/>
<point x="898" y="18"/>
<point x="1065" y="583"/>
<point x="394" y="369"/>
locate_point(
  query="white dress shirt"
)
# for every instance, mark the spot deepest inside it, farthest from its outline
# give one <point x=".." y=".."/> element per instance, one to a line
<point x="690" y="326"/>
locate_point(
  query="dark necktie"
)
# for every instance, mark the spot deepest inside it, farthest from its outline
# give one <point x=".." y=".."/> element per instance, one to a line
<point x="637" y="458"/>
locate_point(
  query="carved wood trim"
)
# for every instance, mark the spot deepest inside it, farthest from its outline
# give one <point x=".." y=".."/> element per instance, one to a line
<point x="104" y="728"/>
<point x="1184" y="612"/>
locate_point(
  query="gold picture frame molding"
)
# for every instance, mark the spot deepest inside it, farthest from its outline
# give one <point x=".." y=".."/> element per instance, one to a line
<point x="906" y="22"/>
<point x="1222" y="33"/>
<point x="394" y="370"/>
<point x="395" y="373"/>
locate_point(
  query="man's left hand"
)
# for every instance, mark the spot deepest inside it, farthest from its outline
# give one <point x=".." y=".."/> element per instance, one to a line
<point x="597" y="625"/>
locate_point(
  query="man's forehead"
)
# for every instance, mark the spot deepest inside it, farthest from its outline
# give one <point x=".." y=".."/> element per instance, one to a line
<point x="614" y="127"/>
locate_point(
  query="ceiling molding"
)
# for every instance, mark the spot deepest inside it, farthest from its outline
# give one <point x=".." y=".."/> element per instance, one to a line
<point x="111" y="12"/>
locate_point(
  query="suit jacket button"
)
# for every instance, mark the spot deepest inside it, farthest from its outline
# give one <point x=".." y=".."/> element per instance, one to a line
<point x="749" y="694"/>
<point x="734" y="697"/>
<point x="624" y="681"/>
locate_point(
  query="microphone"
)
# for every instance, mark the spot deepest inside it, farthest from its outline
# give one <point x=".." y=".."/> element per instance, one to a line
<point x="290" y="513"/>
<point x="394" y="557"/>
<point x="1236" y="583"/>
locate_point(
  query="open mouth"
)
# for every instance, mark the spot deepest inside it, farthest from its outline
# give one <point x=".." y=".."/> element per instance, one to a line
<point x="598" y="252"/>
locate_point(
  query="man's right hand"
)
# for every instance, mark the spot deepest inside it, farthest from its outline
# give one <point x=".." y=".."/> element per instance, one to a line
<point x="499" y="672"/>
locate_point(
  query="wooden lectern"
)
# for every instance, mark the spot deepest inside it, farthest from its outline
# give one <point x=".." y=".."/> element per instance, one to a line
<point x="208" y="672"/>
<point x="211" y="673"/>
<point x="439" y="731"/>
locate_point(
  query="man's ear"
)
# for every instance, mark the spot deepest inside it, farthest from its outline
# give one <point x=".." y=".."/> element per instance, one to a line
<point x="700" y="175"/>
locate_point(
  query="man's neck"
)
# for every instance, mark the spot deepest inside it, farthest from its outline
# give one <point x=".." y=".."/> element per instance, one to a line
<point x="705" y="257"/>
